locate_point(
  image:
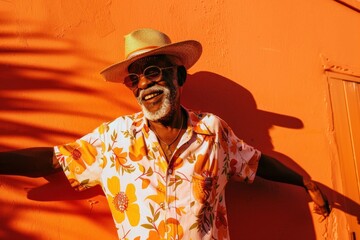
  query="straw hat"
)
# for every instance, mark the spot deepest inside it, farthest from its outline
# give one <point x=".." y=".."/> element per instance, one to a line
<point x="145" y="42"/>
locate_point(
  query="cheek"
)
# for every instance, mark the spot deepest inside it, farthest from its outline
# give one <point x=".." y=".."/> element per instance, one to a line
<point x="136" y="92"/>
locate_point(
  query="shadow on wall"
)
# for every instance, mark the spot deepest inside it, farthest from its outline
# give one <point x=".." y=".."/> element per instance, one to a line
<point x="50" y="202"/>
<point x="21" y="77"/>
<point x="25" y="77"/>
<point x="262" y="210"/>
<point x="39" y="74"/>
<point x="210" y="92"/>
<point x="280" y="211"/>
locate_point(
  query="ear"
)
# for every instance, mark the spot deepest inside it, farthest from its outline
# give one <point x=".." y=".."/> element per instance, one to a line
<point x="181" y="75"/>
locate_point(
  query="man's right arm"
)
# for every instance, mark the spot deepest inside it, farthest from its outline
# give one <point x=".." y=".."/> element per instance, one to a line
<point x="32" y="162"/>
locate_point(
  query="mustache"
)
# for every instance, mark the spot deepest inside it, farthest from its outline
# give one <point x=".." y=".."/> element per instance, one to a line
<point x="152" y="89"/>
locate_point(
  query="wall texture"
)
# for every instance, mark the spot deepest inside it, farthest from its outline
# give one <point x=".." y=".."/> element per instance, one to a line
<point x="262" y="70"/>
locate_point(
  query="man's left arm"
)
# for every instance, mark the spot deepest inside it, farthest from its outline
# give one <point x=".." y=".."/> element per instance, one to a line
<point x="273" y="170"/>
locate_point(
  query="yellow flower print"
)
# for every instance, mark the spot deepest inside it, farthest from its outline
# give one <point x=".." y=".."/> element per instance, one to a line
<point x="103" y="147"/>
<point x="159" y="198"/>
<point x="174" y="228"/>
<point x="158" y="233"/>
<point x="123" y="203"/>
<point x="137" y="150"/>
<point x="204" y="165"/>
<point x="139" y="117"/>
<point x="204" y="178"/>
<point x="120" y="158"/>
<point x="78" y="155"/>
<point x="162" y="165"/>
<point x="103" y="128"/>
<point x="178" y="163"/>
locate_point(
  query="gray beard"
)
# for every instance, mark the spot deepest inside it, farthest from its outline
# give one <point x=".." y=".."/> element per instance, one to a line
<point x="166" y="109"/>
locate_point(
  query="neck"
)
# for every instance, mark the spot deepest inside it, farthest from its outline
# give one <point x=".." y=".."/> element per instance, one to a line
<point x="169" y="132"/>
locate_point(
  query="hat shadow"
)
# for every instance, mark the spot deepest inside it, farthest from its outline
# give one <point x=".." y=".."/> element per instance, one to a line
<point x="210" y="92"/>
<point x="262" y="204"/>
<point x="280" y="210"/>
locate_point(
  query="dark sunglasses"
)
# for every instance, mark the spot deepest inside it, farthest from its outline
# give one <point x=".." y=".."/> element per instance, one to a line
<point x="152" y="73"/>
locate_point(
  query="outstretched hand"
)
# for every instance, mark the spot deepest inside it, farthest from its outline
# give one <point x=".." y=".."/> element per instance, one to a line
<point x="321" y="204"/>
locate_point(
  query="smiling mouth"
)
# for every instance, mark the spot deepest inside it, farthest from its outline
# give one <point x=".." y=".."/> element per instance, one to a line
<point x="152" y="95"/>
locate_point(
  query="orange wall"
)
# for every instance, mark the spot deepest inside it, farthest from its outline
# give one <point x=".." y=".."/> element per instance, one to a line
<point x="261" y="70"/>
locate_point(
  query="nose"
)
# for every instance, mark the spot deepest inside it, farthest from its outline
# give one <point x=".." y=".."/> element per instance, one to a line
<point x="144" y="82"/>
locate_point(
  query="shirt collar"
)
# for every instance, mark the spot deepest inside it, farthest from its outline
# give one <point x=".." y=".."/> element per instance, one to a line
<point x="195" y="121"/>
<point x="139" y="123"/>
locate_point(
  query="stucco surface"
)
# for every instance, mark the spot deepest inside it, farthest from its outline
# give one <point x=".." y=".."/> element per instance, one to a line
<point x="262" y="70"/>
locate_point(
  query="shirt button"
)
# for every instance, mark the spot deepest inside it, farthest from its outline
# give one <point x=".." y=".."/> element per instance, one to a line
<point x="170" y="171"/>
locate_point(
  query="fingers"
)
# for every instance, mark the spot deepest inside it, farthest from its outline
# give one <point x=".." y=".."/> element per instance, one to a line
<point x="321" y="204"/>
<point x="322" y="210"/>
<point x="321" y="219"/>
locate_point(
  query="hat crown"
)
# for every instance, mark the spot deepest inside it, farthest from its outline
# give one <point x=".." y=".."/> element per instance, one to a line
<point x="146" y="42"/>
<point x="143" y="40"/>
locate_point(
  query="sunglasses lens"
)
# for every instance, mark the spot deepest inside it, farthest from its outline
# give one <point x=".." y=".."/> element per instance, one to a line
<point x="131" y="80"/>
<point x="152" y="73"/>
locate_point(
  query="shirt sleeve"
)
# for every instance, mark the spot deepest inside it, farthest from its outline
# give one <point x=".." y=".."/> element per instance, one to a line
<point x="244" y="159"/>
<point x="82" y="160"/>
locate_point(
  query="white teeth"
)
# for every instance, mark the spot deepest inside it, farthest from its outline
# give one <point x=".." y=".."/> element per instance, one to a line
<point x="147" y="97"/>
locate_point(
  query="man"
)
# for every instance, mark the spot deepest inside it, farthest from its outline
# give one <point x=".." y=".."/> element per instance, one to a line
<point x="164" y="169"/>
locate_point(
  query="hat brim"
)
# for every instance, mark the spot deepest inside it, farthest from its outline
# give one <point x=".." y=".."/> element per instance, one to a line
<point x="188" y="53"/>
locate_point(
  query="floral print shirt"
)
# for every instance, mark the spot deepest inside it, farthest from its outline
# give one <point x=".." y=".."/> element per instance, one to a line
<point x="151" y="198"/>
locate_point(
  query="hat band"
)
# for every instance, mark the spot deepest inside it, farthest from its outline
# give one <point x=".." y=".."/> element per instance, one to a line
<point x="140" y="51"/>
